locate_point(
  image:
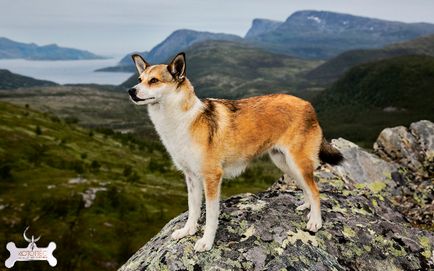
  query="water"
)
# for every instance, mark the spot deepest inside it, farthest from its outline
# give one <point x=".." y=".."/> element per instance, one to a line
<point x="67" y="72"/>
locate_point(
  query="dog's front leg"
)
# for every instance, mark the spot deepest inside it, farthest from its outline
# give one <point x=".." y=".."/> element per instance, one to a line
<point x="194" y="188"/>
<point x="212" y="182"/>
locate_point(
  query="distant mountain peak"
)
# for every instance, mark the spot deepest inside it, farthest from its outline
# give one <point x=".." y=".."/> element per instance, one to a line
<point x="177" y="41"/>
<point x="260" y="26"/>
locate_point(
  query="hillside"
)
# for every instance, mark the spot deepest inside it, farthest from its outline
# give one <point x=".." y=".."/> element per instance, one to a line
<point x="91" y="106"/>
<point x="9" y="80"/>
<point x="322" y="35"/>
<point x="372" y="96"/>
<point x="84" y="189"/>
<point x="337" y="66"/>
<point x="173" y="44"/>
<point x="10" y="49"/>
<point x="232" y="70"/>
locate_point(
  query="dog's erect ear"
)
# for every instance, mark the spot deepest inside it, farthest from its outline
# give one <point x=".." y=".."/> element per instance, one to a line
<point x="177" y="67"/>
<point x="141" y="64"/>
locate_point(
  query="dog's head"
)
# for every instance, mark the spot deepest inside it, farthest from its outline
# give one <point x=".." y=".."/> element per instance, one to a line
<point x="156" y="81"/>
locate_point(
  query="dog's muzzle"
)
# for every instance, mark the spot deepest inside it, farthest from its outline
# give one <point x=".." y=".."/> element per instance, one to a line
<point x="133" y="94"/>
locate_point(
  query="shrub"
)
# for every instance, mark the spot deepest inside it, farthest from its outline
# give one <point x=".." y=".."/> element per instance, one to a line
<point x="5" y="171"/>
<point x="71" y="120"/>
<point x="133" y="178"/>
<point x="128" y="170"/>
<point x="78" y="167"/>
<point x="38" y="130"/>
<point x="95" y="166"/>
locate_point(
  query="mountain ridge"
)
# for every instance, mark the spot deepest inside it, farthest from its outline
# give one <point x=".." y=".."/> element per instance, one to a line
<point x="177" y="41"/>
<point x="307" y="34"/>
<point x="10" y="49"/>
<point x="324" y="34"/>
<point x="227" y="69"/>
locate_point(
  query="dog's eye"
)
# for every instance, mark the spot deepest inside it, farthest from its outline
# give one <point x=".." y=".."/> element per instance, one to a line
<point x="140" y="80"/>
<point x="153" y="81"/>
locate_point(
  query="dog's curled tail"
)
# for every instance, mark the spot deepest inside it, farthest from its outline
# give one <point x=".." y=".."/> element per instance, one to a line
<point x="329" y="154"/>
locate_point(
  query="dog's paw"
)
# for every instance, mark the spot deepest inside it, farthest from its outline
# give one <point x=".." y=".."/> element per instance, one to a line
<point x="180" y="233"/>
<point x="302" y="207"/>
<point x="314" y="223"/>
<point x="203" y="244"/>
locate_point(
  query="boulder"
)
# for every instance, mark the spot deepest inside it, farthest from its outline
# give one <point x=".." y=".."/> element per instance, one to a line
<point x="412" y="148"/>
<point x="361" y="231"/>
<point x="377" y="215"/>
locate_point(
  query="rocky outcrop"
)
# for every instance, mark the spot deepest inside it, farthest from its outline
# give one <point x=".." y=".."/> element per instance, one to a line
<point x="412" y="148"/>
<point x="366" y="225"/>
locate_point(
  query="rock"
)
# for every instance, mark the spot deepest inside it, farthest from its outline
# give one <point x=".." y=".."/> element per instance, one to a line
<point x="264" y="232"/>
<point x="360" y="166"/>
<point x="370" y="207"/>
<point x="412" y="148"/>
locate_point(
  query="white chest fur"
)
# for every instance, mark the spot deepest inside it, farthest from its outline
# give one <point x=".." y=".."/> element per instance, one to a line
<point x="173" y="127"/>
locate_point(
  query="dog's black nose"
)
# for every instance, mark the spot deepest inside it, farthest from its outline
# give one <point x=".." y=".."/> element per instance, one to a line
<point x="132" y="92"/>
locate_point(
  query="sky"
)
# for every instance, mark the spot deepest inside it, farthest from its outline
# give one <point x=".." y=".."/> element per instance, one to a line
<point x="116" y="27"/>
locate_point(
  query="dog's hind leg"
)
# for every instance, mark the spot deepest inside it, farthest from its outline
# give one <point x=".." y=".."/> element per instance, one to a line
<point x="302" y="169"/>
<point x="279" y="159"/>
<point x="194" y="188"/>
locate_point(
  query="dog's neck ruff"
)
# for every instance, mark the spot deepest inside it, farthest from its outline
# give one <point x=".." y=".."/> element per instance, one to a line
<point x="173" y="123"/>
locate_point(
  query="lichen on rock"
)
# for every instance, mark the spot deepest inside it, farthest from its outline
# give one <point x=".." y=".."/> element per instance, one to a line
<point x="364" y="227"/>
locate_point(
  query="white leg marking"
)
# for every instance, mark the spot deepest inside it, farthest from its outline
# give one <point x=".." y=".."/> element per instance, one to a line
<point x="315" y="221"/>
<point x="288" y="167"/>
<point x="194" y="187"/>
<point x="314" y="216"/>
<point x="212" y="213"/>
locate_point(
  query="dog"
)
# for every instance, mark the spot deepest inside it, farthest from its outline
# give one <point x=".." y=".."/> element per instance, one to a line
<point x="212" y="139"/>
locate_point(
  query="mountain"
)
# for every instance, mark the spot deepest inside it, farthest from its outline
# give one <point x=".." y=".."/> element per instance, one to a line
<point x="322" y="35"/>
<point x="9" y="80"/>
<point x="337" y="66"/>
<point x="375" y="95"/>
<point x="261" y="26"/>
<point x="10" y="49"/>
<point x="227" y="69"/>
<point x="173" y="44"/>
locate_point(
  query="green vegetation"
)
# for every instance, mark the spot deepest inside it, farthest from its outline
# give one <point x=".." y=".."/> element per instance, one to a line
<point x="91" y="106"/>
<point x="376" y="95"/>
<point x="9" y="80"/>
<point x="334" y="68"/>
<point x="98" y="194"/>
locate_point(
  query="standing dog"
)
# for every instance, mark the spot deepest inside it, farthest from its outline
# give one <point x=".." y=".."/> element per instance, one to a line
<point x="211" y="139"/>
